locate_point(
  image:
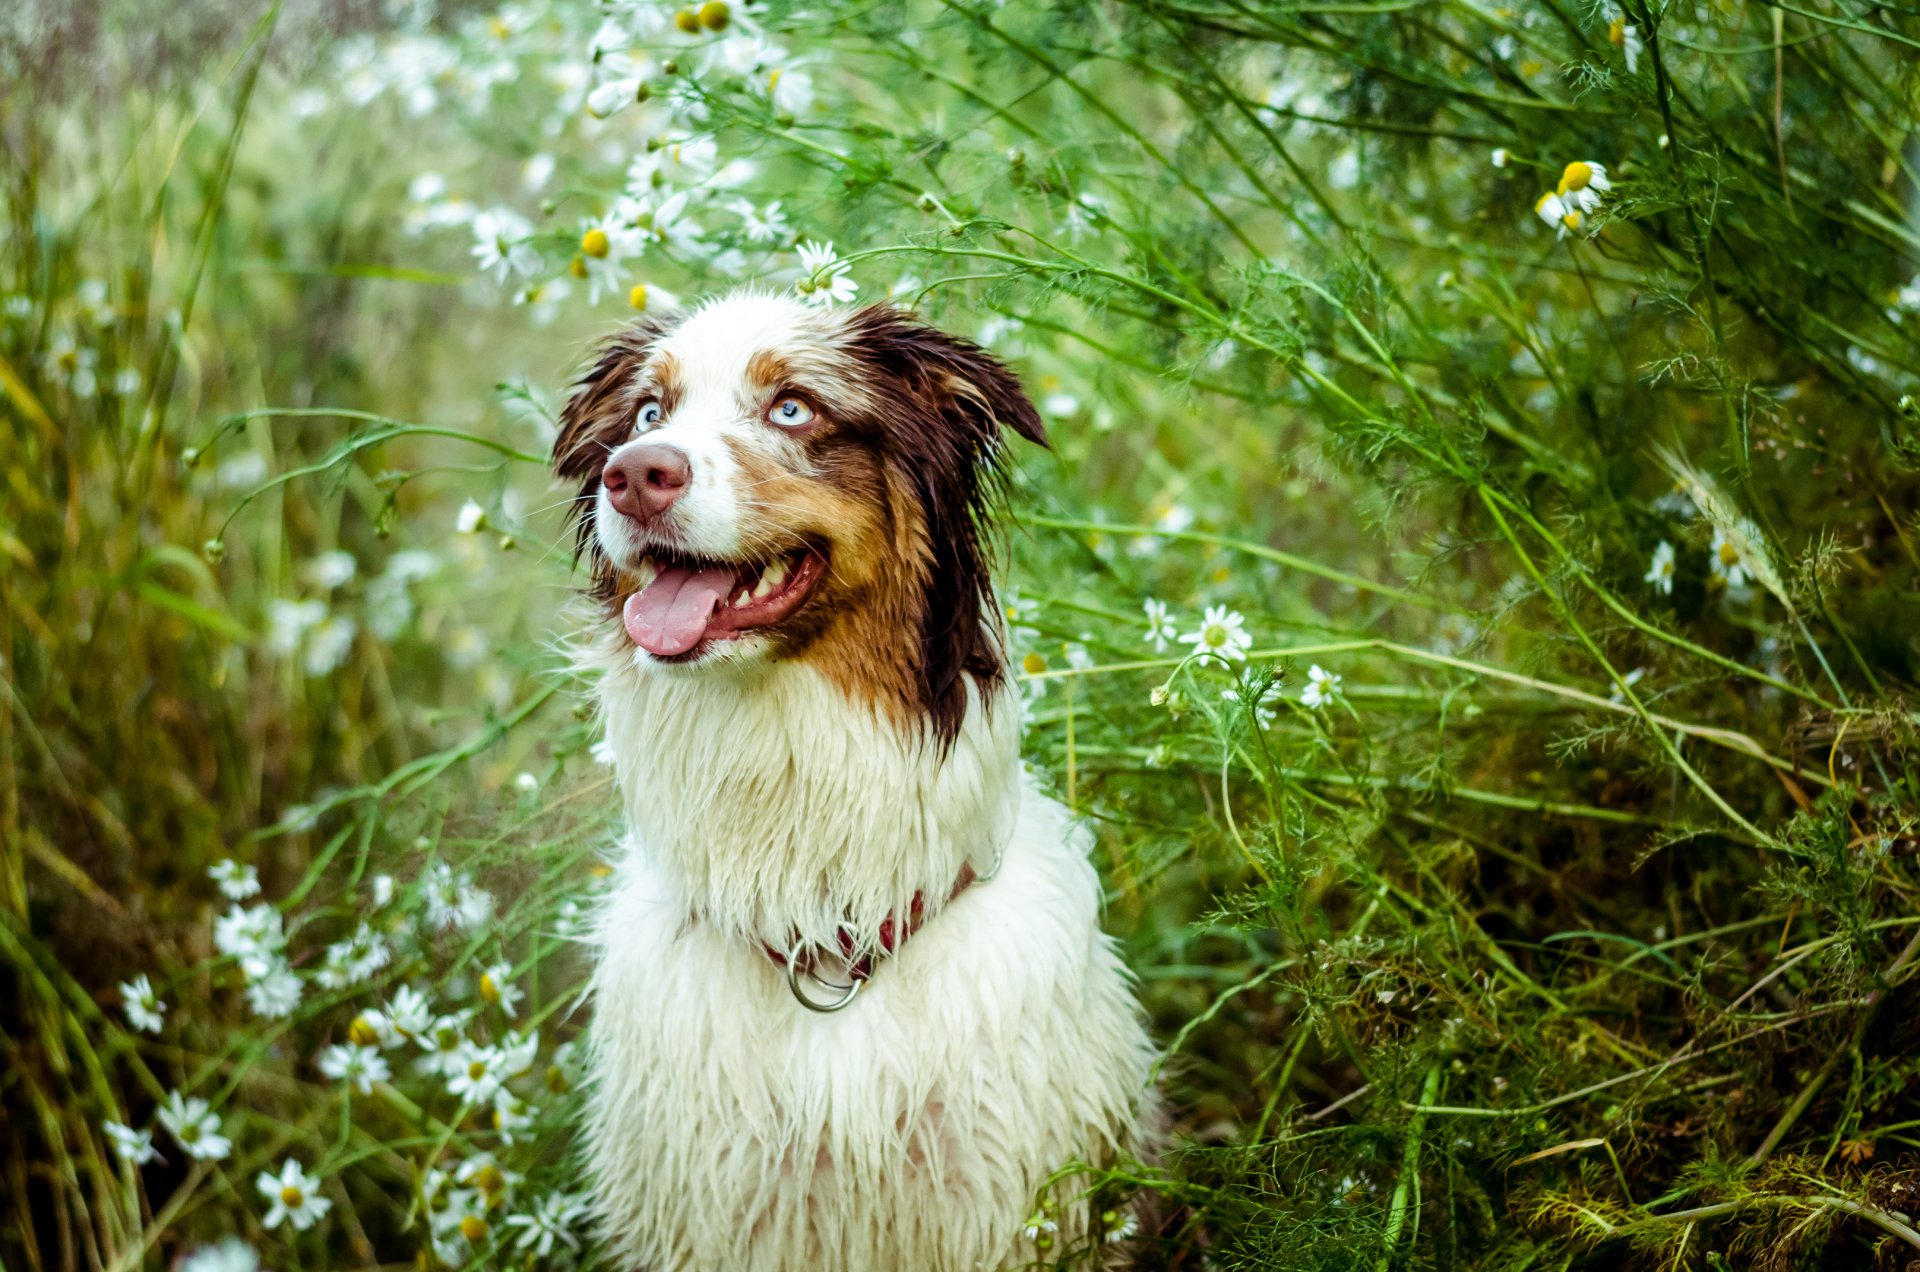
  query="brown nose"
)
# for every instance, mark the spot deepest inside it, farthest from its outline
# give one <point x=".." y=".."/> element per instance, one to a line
<point x="643" y="481"/>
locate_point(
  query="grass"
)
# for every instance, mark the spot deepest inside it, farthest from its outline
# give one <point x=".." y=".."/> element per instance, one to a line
<point x="1576" y="927"/>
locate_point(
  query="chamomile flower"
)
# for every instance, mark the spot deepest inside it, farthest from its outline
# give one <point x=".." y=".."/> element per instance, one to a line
<point x="328" y="644"/>
<point x="554" y="1219"/>
<point x="1660" y="570"/>
<point x="1581" y="185"/>
<point x="1557" y="212"/>
<point x="250" y="934"/>
<point x="235" y="881"/>
<point x="454" y="901"/>
<point x="760" y="225"/>
<point x="229" y="1254"/>
<point x="501" y="247"/>
<point x="1623" y="36"/>
<point x="143" y="1007"/>
<point x="357" y="1066"/>
<point x="604" y="248"/>
<point x="1038" y="1225"/>
<point x="293" y="1195"/>
<point x="1321" y="689"/>
<point x="410" y="1012"/>
<point x="825" y="278"/>
<point x="194" y="1126"/>
<point x="1222" y="631"/>
<point x="789" y="90"/>
<point x="477" y="1074"/>
<point x="1725" y="564"/>
<point x="275" y="991"/>
<point x="1161" y="629"/>
<point x="135" y="1148"/>
<point x="444" y="1041"/>
<point x="496" y="987"/>
<point x="1119" y="1225"/>
<point x="353" y="960"/>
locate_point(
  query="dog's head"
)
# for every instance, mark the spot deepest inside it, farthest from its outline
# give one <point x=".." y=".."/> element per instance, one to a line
<point x="763" y="480"/>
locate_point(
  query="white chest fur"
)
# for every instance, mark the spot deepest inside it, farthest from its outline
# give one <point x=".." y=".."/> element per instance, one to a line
<point x="732" y="1128"/>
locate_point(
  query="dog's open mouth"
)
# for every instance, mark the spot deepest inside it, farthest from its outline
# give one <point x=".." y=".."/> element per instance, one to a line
<point x="681" y="601"/>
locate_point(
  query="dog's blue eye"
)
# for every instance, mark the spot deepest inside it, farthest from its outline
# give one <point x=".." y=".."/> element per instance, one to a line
<point x="790" y="413"/>
<point x="649" y="414"/>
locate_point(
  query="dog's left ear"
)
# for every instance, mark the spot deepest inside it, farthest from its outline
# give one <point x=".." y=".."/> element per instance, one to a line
<point x="948" y="376"/>
<point x="948" y="399"/>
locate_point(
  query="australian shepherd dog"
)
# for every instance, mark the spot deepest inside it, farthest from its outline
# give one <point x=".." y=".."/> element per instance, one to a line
<point x="852" y="1008"/>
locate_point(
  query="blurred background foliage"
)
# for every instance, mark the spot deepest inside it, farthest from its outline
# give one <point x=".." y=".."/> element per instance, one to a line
<point x="1567" y="917"/>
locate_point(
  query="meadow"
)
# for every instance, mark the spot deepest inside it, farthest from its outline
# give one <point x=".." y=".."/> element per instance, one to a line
<point x="1471" y="592"/>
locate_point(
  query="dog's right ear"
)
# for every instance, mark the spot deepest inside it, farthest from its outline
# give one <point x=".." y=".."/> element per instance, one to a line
<point x="599" y="414"/>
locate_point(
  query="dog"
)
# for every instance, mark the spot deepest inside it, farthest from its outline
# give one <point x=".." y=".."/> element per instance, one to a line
<point x="852" y="1005"/>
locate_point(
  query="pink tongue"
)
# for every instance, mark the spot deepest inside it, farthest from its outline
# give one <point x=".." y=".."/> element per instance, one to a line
<point x="669" y="615"/>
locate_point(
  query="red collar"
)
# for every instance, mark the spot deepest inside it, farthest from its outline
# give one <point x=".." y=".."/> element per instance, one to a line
<point x="803" y="960"/>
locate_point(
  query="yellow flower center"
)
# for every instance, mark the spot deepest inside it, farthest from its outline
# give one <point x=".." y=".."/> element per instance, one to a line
<point x="1576" y="176"/>
<point x="1033" y="664"/>
<point x="1215" y="635"/>
<point x="1617" y="33"/>
<point x="477" y="1070"/>
<point x="638" y="296"/>
<point x="1728" y="554"/>
<point x="773" y="78"/>
<point x="473" y="1228"/>
<point x="579" y="267"/>
<point x="1572" y="219"/>
<point x="362" y="1031"/>
<point x="488" y="1179"/>
<point x="291" y="1196"/>
<point x="714" y="15"/>
<point x="499" y="28"/>
<point x="687" y="21"/>
<point x="595" y="243"/>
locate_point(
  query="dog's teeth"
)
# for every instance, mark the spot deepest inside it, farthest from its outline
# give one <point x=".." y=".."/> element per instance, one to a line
<point x="648" y="572"/>
<point x="773" y="577"/>
<point x="744" y="597"/>
<point x="761" y="588"/>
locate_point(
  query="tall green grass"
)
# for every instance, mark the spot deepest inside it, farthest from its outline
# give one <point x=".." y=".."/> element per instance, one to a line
<point x="1573" y="924"/>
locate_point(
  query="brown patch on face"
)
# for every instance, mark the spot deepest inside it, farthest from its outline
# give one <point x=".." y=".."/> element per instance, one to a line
<point x="767" y="371"/>
<point x="598" y="418"/>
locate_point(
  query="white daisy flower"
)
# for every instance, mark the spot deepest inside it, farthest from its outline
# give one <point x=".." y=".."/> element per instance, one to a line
<point x="143" y="1007"/>
<point x="554" y="1219"/>
<point x="357" y="1066"/>
<point x="249" y="934"/>
<point x="1038" y="1225"/>
<point x="496" y="988"/>
<point x="294" y="1197"/>
<point x="1161" y="628"/>
<point x="501" y="247"/>
<point x="353" y="960"/>
<point x="760" y="225"/>
<point x="1556" y="212"/>
<point x="789" y="90"/>
<point x="444" y="1042"/>
<point x="825" y="279"/>
<point x="605" y="246"/>
<point x="1322" y="687"/>
<point x="275" y="991"/>
<point x="410" y="1012"/>
<point x="135" y="1148"/>
<point x="1726" y="565"/>
<point x="477" y="1076"/>
<point x="1120" y="1224"/>
<point x="229" y="1254"/>
<point x="1222" y="631"/>
<point x="1660" y="571"/>
<point x="1581" y="185"/>
<point x="194" y="1126"/>
<point x="328" y="644"/>
<point x="235" y="881"/>
<point x="332" y="570"/>
<point x="1624" y="36"/>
